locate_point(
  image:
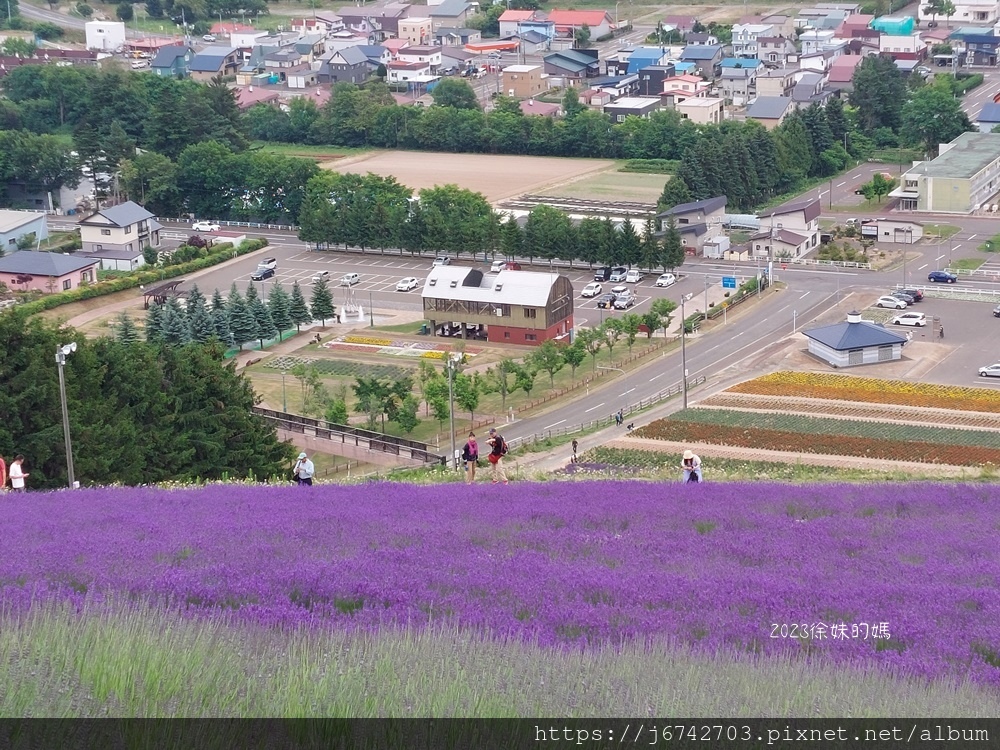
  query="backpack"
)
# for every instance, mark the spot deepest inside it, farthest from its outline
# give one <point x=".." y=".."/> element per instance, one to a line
<point x="504" y="448"/>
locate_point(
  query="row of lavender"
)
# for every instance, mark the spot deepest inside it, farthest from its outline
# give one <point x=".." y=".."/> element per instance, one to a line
<point x="900" y="576"/>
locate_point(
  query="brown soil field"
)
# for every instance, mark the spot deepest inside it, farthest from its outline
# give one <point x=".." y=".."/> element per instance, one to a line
<point x="496" y="177"/>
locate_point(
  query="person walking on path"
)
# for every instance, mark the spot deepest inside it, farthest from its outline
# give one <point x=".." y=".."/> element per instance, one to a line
<point x="691" y="464"/>
<point x="498" y="449"/>
<point x="575" y="444"/>
<point x="621" y="417"/>
<point x="304" y="470"/>
<point x="470" y="454"/>
<point x="18" y="474"/>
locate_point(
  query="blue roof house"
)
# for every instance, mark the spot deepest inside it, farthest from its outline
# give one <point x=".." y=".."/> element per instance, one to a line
<point x="172" y="61"/>
<point x="855" y="342"/>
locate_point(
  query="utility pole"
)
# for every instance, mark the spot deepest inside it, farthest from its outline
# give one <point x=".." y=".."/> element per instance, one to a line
<point x="684" y="366"/>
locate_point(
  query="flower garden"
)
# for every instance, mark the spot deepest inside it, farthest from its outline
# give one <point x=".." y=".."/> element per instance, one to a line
<point x="893" y="578"/>
<point x="841" y="415"/>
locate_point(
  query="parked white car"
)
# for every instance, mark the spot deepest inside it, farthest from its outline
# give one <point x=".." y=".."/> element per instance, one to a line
<point x="634" y="276"/>
<point x="442" y="260"/>
<point x="271" y="263"/>
<point x="910" y="319"/>
<point x="350" y="279"/>
<point x="205" y="226"/>
<point x="892" y="302"/>
<point x="666" y="279"/>
<point x="990" y="371"/>
<point x="407" y="284"/>
<point x="592" y="290"/>
<point x="321" y="276"/>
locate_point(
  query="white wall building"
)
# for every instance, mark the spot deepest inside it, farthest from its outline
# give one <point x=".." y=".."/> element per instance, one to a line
<point x="106" y="36"/>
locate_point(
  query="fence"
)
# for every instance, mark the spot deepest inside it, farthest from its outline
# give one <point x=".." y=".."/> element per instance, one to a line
<point x="947" y="291"/>
<point x="373" y="441"/>
<point x="604" y="421"/>
<point x="830" y="263"/>
<point x="987" y="273"/>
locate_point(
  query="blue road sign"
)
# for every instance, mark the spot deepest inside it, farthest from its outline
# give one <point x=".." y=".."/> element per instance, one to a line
<point x="728" y="282"/>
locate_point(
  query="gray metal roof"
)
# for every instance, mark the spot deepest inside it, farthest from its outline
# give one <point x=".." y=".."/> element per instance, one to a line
<point x="990" y="113"/>
<point x="708" y="205"/>
<point x="109" y="254"/>
<point x="11" y="220"/>
<point x="210" y="59"/>
<point x="42" y="264"/>
<point x="123" y="215"/>
<point x="769" y="107"/>
<point x="844" y="336"/>
<point x="472" y="285"/>
<point x="167" y="56"/>
<point x="449" y="8"/>
<point x="353" y="56"/>
<point x="373" y="52"/>
<point x="700" y="52"/>
<point x="970" y="153"/>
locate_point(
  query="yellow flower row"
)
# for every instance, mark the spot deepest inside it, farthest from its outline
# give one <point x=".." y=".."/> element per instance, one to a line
<point x="367" y="340"/>
<point x="434" y="355"/>
<point x="872" y="390"/>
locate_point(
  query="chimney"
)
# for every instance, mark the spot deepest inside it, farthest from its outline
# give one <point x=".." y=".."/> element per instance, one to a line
<point x="853" y="317"/>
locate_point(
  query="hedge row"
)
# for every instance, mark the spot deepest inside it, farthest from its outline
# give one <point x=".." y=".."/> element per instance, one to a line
<point x="650" y="166"/>
<point x="222" y="253"/>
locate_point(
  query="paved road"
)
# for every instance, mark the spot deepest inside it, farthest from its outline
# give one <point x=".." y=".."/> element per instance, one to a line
<point x="44" y="14"/>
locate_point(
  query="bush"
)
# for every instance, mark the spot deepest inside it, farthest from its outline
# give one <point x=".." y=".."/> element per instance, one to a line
<point x="650" y="166"/>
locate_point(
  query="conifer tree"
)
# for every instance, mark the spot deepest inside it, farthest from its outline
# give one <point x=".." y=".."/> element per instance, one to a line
<point x="127" y="332"/>
<point x="279" y="305"/>
<point x="321" y="305"/>
<point x="217" y="302"/>
<point x="265" y="324"/>
<point x="154" y="324"/>
<point x="298" y="309"/>
<point x="220" y="321"/>
<point x="174" y="330"/>
<point x="242" y="323"/>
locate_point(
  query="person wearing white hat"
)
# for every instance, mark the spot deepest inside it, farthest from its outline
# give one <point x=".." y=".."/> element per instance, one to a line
<point x="691" y="466"/>
<point x="304" y="470"/>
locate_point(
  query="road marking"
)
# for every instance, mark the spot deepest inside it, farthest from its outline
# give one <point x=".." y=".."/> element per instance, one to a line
<point x="657" y="376"/>
<point x="941" y="256"/>
<point x="627" y="392"/>
<point x="841" y="184"/>
<point x="805" y="295"/>
<point x="593" y="407"/>
<point x="923" y="266"/>
<point x="550" y="426"/>
<point x="972" y="237"/>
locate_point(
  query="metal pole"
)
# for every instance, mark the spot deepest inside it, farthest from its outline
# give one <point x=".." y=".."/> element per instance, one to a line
<point x="451" y="401"/>
<point x="284" y="399"/>
<point x="61" y="361"/>
<point x="706" y="296"/>
<point x="371" y="313"/>
<point x="684" y="366"/>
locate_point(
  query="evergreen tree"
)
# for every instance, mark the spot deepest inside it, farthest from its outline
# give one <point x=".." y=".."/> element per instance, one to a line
<point x="234" y="299"/>
<point x="836" y="119"/>
<point x="242" y="322"/>
<point x="764" y="154"/>
<point x="195" y="299"/>
<point x="321" y="304"/>
<point x="675" y="192"/>
<point x="251" y="294"/>
<point x="690" y="173"/>
<point x="512" y="238"/>
<point x="298" y="310"/>
<point x="175" y="330"/>
<point x="220" y="321"/>
<point x="588" y="239"/>
<point x="265" y="324"/>
<point x="629" y="243"/>
<point x="201" y="326"/>
<point x="879" y="94"/>
<point x="127" y="332"/>
<point x="154" y="323"/>
<point x="607" y="249"/>
<point x="217" y="302"/>
<point x="673" y="246"/>
<point x="649" y="251"/>
<point x="279" y="305"/>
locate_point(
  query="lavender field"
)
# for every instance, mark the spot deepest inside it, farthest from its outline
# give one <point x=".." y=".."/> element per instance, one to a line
<point x="574" y="567"/>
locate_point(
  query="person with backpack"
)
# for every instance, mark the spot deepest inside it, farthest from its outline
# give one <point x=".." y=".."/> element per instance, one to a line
<point x="498" y="449"/>
<point x="691" y="465"/>
<point x="470" y="454"/>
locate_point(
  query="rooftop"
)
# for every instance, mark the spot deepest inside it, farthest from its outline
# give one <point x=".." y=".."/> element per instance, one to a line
<point x="708" y="205"/>
<point x="636" y="102"/>
<point x="859" y="335"/>
<point x="123" y="215"/>
<point x="43" y="264"/>
<point x="11" y="220"/>
<point x="472" y="285"/>
<point x="967" y="155"/>
<point x="521" y="68"/>
<point x="769" y="107"/>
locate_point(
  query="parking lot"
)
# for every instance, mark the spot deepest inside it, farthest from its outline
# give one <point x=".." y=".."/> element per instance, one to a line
<point x="971" y="340"/>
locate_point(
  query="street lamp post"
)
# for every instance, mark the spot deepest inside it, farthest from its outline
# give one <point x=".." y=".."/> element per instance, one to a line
<point x="684" y="366"/>
<point x="61" y="353"/>
<point x="452" y="364"/>
<point x="371" y="312"/>
<point x="284" y="399"/>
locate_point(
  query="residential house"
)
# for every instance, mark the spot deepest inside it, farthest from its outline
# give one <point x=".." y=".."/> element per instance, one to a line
<point x="400" y="71"/>
<point x="644" y="57"/>
<point x="172" y="61"/>
<point x="809" y="89"/>
<point x="851" y="8"/>
<point x="310" y="47"/>
<point x="17" y="224"/>
<point x="323" y="22"/>
<point x="770" y="111"/>
<point x="112" y="259"/>
<point x="776" y="51"/>
<point x="456" y="57"/>
<point x="862" y="46"/>
<point x="524" y="81"/>
<point x="248" y="39"/>
<point x="214" y="61"/>
<point x="542" y="109"/>
<point x="745" y="38"/>
<point x="617" y="86"/>
<point x="302" y="76"/>
<point x="832" y="20"/>
<point x="695" y="221"/>
<point x="820" y="62"/>
<point x="840" y="77"/>
<point x="975" y="48"/>
<point x="346" y="66"/>
<point x="534" y="42"/>
<point x="895" y="25"/>
<point x="377" y="23"/>
<point x="905" y="46"/>
<point x="423" y="54"/>
<point x="651" y="79"/>
<point x="105" y="36"/>
<point x="127" y="226"/>
<point x="46" y="272"/>
<point x="706" y="58"/>
<point x="542" y="26"/>
<point x="678" y="88"/>
<point x="451" y="13"/>
<point x="456" y="37"/>
<point x="778" y="243"/>
<point x="394" y="45"/>
<point x="780" y="82"/>
<point x="567" y="22"/>
<point x="632" y="106"/>
<point x="738" y="81"/>
<point x="816" y="40"/>
<point x="932" y="37"/>
<point x="417" y="30"/>
<point x="572" y="64"/>
<point x="782" y="24"/>
<point x="248" y="96"/>
<point x="510" y="21"/>
<point x="701" y="110"/>
<point x="342" y="40"/>
<point x="701" y="39"/>
<point x="853" y="23"/>
<point x="799" y="216"/>
<point x="989" y="118"/>
<point x="964" y="176"/>
<point x="227" y="28"/>
<point x="595" y="99"/>
<point x="966" y="11"/>
<point x="683" y="24"/>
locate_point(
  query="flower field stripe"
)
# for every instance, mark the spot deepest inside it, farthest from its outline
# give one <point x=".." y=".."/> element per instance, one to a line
<point x="571" y="565"/>
<point x="852" y="388"/>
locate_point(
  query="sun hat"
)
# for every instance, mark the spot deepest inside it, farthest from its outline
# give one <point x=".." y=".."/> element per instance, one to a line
<point x="302" y="455"/>
<point x="688" y="454"/>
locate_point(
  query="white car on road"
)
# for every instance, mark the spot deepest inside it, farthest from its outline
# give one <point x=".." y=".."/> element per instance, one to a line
<point x="894" y="302"/>
<point x="322" y="275"/>
<point x="592" y="290"/>
<point x="666" y="279"/>
<point x="407" y="284"/>
<point x="910" y="319"/>
<point x="990" y="371"/>
<point x="350" y="279"/>
<point x="205" y="226"/>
